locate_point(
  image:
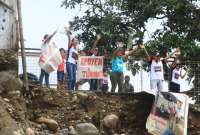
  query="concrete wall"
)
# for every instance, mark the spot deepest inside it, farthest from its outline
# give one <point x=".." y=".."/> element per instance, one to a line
<point x="8" y="24"/>
<point x="8" y="51"/>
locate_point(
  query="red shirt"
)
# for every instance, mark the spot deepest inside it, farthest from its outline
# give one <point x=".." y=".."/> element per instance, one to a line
<point x="61" y="67"/>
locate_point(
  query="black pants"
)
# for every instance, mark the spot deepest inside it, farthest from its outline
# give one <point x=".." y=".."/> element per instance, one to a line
<point x="104" y="88"/>
<point x="116" y="78"/>
<point x="174" y="87"/>
<point x="46" y="75"/>
<point x="93" y="84"/>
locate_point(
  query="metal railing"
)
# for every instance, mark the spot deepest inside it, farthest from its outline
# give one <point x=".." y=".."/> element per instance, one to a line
<point x="140" y="81"/>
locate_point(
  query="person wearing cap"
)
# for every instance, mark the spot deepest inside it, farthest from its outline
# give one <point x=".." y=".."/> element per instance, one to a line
<point x="176" y="76"/>
<point x="117" y="76"/>
<point x="156" y="69"/>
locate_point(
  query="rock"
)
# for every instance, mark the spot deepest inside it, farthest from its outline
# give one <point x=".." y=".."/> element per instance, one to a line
<point x="14" y="93"/>
<point x="111" y="121"/>
<point x="51" y="124"/>
<point x="86" y="129"/>
<point x="82" y="95"/>
<point x="72" y="131"/>
<point x="5" y="99"/>
<point x="74" y="98"/>
<point x="9" y="82"/>
<point x="64" y="131"/>
<point x="29" y="131"/>
<point x="44" y="126"/>
<point x="17" y="132"/>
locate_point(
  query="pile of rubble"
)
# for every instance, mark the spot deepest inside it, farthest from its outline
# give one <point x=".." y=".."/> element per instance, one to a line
<point x="8" y="60"/>
<point x="45" y="111"/>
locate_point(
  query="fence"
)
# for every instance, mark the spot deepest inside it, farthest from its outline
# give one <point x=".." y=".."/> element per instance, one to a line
<point x="140" y="81"/>
<point x="194" y="78"/>
<point x="32" y="58"/>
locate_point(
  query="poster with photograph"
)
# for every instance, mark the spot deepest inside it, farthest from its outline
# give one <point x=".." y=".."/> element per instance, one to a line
<point x="169" y="114"/>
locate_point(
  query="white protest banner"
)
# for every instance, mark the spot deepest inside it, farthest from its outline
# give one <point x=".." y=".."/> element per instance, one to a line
<point x="50" y="58"/>
<point x="169" y="114"/>
<point x="90" y="67"/>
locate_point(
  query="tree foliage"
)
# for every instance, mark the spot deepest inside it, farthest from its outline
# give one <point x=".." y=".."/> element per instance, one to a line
<point x="116" y="19"/>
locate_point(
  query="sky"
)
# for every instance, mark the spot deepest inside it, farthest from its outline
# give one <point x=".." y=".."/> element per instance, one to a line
<point x="44" y="16"/>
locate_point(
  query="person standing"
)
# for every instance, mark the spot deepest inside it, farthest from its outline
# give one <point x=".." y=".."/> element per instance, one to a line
<point x="176" y="76"/>
<point x="72" y="57"/>
<point x="127" y="86"/>
<point x="45" y="42"/>
<point x="117" y="76"/>
<point x="60" y="70"/>
<point x="104" y="82"/>
<point x="156" y="69"/>
<point x="94" y="52"/>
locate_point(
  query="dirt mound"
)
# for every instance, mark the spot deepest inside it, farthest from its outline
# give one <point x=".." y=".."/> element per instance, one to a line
<point x="68" y="109"/>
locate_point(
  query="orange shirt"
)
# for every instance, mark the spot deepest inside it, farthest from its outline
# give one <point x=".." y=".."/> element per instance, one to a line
<point x="61" y="67"/>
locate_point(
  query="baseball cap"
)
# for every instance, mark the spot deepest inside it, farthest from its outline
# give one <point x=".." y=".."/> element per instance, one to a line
<point x="156" y="53"/>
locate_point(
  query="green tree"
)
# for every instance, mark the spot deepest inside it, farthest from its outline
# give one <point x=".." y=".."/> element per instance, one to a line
<point x="116" y="19"/>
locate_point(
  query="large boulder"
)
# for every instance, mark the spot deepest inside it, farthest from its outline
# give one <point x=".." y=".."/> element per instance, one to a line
<point x="86" y="129"/>
<point x="51" y="124"/>
<point x="111" y="121"/>
<point x="9" y="82"/>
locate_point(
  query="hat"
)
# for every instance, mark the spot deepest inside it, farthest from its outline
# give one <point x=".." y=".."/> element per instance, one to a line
<point x="118" y="52"/>
<point x="156" y="53"/>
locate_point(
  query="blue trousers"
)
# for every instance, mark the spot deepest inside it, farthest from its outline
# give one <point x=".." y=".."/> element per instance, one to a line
<point x="46" y="75"/>
<point x="71" y="70"/>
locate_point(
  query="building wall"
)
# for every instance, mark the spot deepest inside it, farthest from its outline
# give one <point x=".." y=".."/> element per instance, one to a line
<point x="8" y="24"/>
<point x="8" y="46"/>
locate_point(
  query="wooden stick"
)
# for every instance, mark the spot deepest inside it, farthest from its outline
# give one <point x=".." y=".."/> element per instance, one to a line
<point x="22" y="44"/>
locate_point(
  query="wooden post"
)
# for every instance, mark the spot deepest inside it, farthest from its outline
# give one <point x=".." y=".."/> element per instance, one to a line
<point x="22" y="44"/>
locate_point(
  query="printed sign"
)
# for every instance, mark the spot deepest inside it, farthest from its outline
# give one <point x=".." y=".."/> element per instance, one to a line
<point x="169" y="114"/>
<point x="50" y="58"/>
<point x="90" y="67"/>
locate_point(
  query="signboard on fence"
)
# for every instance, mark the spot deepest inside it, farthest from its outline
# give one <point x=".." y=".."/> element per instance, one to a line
<point x="90" y="67"/>
<point x="169" y="114"/>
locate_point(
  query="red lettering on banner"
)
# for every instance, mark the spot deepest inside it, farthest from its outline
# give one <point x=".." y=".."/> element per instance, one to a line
<point x="91" y="61"/>
<point x="89" y="74"/>
<point x="100" y="62"/>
